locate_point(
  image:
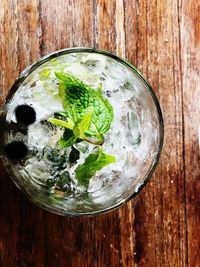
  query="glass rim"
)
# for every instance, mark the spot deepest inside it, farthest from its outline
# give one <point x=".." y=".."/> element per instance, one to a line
<point x="24" y="74"/>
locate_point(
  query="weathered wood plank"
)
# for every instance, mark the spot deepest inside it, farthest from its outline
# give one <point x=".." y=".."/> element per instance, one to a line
<point x="29" y="227"/>
<point x="152" y="39"/>
<point x="28" y="32"/>
<point x="170" y="215"/>
<point x="8" y="46"/>
<point x="190" y="54"/>
<point x="67" y="24"/>
<point x="9" y="195"/>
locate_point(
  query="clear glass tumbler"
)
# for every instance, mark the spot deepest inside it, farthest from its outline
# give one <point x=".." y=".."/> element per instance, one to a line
<point x="48" y="173"/>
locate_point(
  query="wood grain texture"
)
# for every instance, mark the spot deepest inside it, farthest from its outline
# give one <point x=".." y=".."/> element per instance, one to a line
<point x="161" y="226"/>
<point x="190" y="51"/>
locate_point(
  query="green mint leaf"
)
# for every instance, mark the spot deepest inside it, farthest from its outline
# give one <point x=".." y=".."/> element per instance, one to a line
<point x="62" y="115"/>
<point x="61" y="91"/>
<point x="78" y="96"/>
<point x="83" y="124"/>
<point x="44" y="74"/>
<point x="93" y="163"/>
<point x="66" y="124"/>
<point x="100" y="88"/>
<point x="67" y="143"/>
<point x="60" y="182"/>
<point x="68" y="134"/>
<point x="68" y="139"/>
<point x="63" y="180"/>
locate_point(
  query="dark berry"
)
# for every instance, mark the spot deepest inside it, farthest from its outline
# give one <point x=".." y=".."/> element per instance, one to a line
<point x="74" y="155"/>
<point x="16" y="150"/>
<point x="25" y="114"/>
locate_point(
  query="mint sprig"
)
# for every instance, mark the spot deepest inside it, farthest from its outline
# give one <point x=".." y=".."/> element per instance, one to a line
<point x="93" y="163"/>
<point x="77" y="97"/>
<point x="88" y="115"/>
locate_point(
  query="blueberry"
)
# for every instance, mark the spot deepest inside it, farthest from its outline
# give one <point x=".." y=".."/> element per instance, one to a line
<point x="16" y="150"/>
<point x="74" y="155"/>
<point x="25" y="114"/>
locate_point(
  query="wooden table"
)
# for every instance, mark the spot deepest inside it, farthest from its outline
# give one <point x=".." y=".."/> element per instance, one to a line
<point x="161" y="226"/>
